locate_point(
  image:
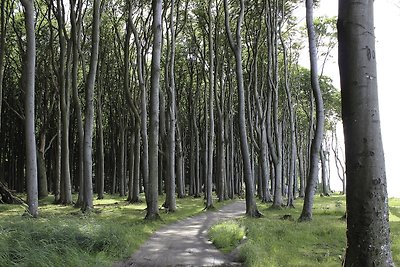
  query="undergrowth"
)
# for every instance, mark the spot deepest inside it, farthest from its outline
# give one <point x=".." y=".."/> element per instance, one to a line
<point x="226" y="235"/>
<point x="278" y="239"/>
<point x="63" y="236"/>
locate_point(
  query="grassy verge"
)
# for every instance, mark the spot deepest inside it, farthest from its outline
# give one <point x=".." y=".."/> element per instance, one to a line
<point x="63" y="236"/>
<point x="278" y="239"/>
<point x="226" y="235"/>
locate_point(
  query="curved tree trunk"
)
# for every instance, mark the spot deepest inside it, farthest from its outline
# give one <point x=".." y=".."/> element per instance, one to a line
<point x="251" y="206"/>
<point x="368" y="234"/>
<point x="312" y="178"/>
<point x="89" y="114"/>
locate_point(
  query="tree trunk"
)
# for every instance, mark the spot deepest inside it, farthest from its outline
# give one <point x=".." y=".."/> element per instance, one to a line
<point x="3" y="29"/>
<point x="368" y="233"/>
<point x="209" y="200"/>
<point x="89" y="113"/>
<point x="324" y="173"/>
<point x="251" y="206"/>
<point x="100" y="152"/>
<point x="66" y="188"/>
<point x="29" y="79"/>
<point x="152" y="192"/>
<point x="171" y="177"/>
<point x="57" y="175"/>
<point x="312" y="178"/>
<point x="122" y="169"/>
<point x="75" y="30"/>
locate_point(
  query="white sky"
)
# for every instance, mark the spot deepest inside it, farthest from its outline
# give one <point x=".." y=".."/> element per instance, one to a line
<point x="387" y="18"/>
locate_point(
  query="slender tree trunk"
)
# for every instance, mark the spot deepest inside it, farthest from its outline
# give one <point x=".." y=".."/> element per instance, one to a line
<point x="75" y="29"/>
<point x="89" y="113"/>
<point x="368" y="233"/>
<point x="292" y="134"/>
<point x="29" y="81"/>
<point x="122" y="169"/>
<point x="180" y="165"/>
<point x="66" y="188"/>
<point x="3" y="29"/>
<point x="171" y="177"/>
<point x="251" y="206"/>
<point x="324" y="173"/>
<point x="100" y="152"/>
<point x="152" y="192"/>
<point x="312" y="178"/>
<point x="143" y="107"/>
<point x="57" y="174"/>
<point x="209" y="200"/>
<point x="136" y="178"/>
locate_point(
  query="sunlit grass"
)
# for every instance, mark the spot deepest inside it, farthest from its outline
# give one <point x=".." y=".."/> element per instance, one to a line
<point x="278" y="239"/>
<point x="63" y="236"/>
<point x="226" y="235"/>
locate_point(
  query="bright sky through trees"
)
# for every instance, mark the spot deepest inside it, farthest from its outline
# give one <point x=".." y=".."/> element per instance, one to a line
<point x="387" y="16"/>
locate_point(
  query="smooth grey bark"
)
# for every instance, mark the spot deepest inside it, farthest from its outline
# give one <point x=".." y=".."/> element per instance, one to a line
<point x="340" y="169"/>
<point x="251" y="206"/>
<point x="66" y="187"/>
<point x="292" y="154"/>
<point x="368" y="233"/>
<point x="75" y="32"/>
<point x="210" y="155"/>
<point x="180" y="165"/>
<point x="100" y="152"/>
<point x="122" y="170"/>
<point x="312" y="177"/>
<point x="171" y="177"/>
<point x="272" y="118"/>
<point x="143" y="107"/>
<point x="29" y="82"/>
<point x="57" y="174"/>
<point x="87" y="204"/>
<point x="136" y="179"/>
<point x="324" y="172"/>
<point x="3" y="28"/>
<point x="152" y="192"/>
<point x="221" y="152"/>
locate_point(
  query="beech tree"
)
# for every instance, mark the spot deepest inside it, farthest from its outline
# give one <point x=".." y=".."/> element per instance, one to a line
<point x="29" y="82"/>
<point x="152" y="192"/>
<point x="87" y="204"/>
<point x="312" y="177"/>
<point x="236" y="46"/>
<point x="368" y="239"/>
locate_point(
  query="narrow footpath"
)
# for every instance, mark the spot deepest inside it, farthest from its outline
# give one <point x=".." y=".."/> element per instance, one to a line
<point x="185" y="243"/>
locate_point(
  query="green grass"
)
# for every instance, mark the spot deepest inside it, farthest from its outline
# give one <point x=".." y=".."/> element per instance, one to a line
<point x="63" y="236"/>
<point x="226" y="235"/>
<point x="272" y="241"/>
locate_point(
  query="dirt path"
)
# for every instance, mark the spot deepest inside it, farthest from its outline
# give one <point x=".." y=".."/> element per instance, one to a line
<point x="186" y="243"/>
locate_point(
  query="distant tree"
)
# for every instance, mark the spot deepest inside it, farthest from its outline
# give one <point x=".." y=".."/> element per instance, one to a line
<point x="368" y="238"/>
<point x="29" y="82"/>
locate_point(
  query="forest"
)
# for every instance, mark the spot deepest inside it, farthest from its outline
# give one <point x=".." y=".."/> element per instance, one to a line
<point x="161" y="101"/>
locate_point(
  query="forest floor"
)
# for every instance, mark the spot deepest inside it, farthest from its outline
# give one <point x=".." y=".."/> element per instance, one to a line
<point x="186" y="243"/>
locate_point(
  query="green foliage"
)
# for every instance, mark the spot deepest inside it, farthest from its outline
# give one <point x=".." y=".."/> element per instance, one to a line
<point x="273" y="241"/>
<point x="226" y="235"/>
<point x="63" y="236"/>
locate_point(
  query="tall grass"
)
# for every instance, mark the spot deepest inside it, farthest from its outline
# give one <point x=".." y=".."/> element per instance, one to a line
<point x="278" y="239"/>
<point x="63" y="236"/>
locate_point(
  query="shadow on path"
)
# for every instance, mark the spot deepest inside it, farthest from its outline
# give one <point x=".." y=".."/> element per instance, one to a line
<point x="185" y="243"/>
